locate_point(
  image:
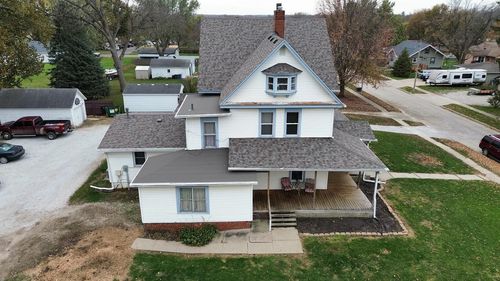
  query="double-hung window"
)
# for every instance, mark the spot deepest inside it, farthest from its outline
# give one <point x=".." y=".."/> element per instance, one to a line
<point x="267" y="123"/>
<point x="139" y="158"/>
<point x="193" y="199"/>
<point x="209" y="132"/>
<point x="292" y="126"/>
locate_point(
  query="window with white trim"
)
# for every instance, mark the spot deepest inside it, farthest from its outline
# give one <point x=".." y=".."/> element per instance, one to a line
<point x="209" y="131"/>
<point x="292" y="123"/>
<point x="267" y="123"/>
<point x="281" y="85"/>
<point x="193" y="200"/>
<point x="296" y="176"/>
<point x="139" y="158"/>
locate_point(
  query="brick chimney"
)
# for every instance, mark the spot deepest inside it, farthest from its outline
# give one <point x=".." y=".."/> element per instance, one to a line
<point x="279" y="21"/>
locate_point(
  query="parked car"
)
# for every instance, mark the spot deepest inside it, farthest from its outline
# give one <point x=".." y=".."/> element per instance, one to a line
<point x="424" y="74"/>
<point x="10" y="152"/>
<point x="490" y="145"/>
<point x="35" y="126"/>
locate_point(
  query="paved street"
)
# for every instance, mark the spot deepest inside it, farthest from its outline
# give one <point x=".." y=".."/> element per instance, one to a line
<point x="46" y="176"/>
<point x="427" y="108"/>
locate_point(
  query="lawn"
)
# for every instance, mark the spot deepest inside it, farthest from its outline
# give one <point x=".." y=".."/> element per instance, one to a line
<point x="410" y="90"/>
<point x="451" y="243"/>
<point x="449" y="63"/>
<point x="443" y="89"/>
<point x="412" y="154"/>
<point x="86" y="194"/>
<point x="388" y="73"/>
<point x="488" y="109"/>
<point x="42" y="80"/>
<point x="373" y="120"/>
<point x="495" y="123"/>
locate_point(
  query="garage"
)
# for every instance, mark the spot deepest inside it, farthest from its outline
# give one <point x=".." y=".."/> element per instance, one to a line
<point x="50" y="103"/>
<point x="152" y="97"/>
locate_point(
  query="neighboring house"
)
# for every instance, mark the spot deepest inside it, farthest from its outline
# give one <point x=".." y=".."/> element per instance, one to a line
<point x="171" y="68"/>
<point x="50" y="103"/>
<point x="430" y="56"/>
<point x="486" y="52"/>
<point x="266" y="118"/>
<point x="152" y="53"/>
<point x="492" y="69"/>
<point x="41" y="50"/>
<point x="152" y="97"/>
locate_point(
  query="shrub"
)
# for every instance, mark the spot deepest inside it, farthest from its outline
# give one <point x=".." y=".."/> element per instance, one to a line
<point x="199" y="236"/>
<point x="402" y="66"/>
<point x="495" y="100"/>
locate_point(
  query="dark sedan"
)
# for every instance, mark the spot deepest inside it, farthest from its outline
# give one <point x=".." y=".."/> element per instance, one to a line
<point x="9" y="152"/>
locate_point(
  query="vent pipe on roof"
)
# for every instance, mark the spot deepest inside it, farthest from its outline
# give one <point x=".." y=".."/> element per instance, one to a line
<point x="192" y="107"/>
<point x="279" y="20"/>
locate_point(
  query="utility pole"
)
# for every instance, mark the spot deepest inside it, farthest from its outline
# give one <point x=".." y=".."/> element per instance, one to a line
<point x="416" y="71"/>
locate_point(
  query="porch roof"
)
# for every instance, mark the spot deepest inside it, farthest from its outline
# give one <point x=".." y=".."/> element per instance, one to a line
<point x="343" y="152"/>
<point x="191" y="167"/>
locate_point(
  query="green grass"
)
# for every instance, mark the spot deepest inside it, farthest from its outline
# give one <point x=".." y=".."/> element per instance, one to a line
<point x="388" y="73"/>
<point x="443" y="89"/>
<point x="373" y="120"/>
<point x="414" y="123"/>
<point x="456" y="238"/>
<point x="412" y="154"/>
<point x="410" y="90"/>
<point x="488" y="109"/>
<point x="495" y="123"/>
<point x="86" y="194"/>
<point x="450" y="63"/>
<point x="42" y="80"/>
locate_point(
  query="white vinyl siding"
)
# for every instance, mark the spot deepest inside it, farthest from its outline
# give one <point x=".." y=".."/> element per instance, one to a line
<point x="151" y="103"/>
<point x="275" y="179"/>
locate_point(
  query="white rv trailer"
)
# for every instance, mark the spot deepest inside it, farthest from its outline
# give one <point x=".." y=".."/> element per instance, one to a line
<point x="460" y="76"/>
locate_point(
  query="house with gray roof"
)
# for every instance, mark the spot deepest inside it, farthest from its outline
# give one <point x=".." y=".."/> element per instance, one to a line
<point x="421" y="53"/>
<point x="171" y="68"/>
<point x="152" y="97"/>
<point x="41" y="50"/>
<point x="263" y="131"/>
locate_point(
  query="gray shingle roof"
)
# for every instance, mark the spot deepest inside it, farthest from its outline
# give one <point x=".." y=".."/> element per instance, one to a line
<point x="144" y="131"/>
<point x="39" y="47"/>
<point x="359" y="129"/>
<point x="37" y="98"/>
<point x="169" y="63"/>
<point x="190" y="166"/>
<point x="226" y="42"/>
<point x="341" y="153"/>
<point x="339" y="116"/>
<point x="491" y="68"/>
<point x="281" y="68"/>
<point x="142" y="62"/>
<point x="412" y="46"/>
<point x="153" y="89"/>
<point x="201" y="105"/>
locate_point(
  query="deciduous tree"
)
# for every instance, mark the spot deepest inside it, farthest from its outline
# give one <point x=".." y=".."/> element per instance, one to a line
<point x="359" y="34"/>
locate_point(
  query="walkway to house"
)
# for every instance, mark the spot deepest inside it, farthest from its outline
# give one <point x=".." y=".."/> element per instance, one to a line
<point x="342" y="198"/>
<point x="242" y="242"/>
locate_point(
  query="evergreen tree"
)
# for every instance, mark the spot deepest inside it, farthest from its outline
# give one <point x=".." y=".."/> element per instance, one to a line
<point x="76" y="66"/>
<point x="402" y="66"/>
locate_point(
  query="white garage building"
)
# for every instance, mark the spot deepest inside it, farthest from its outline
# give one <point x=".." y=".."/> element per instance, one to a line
<point x="50" y="103"/>
<point x="171" y="68"/>
<point x="152" y="97"/>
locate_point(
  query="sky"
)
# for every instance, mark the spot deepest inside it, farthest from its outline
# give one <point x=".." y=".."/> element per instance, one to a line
<point x="259" y="7"/>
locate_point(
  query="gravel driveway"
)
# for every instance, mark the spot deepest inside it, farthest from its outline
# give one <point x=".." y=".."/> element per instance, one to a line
<point x="46" y="176"/>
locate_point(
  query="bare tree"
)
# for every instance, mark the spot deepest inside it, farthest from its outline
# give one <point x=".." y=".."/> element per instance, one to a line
<point x="110" y="18"/>
<point x="359" y="33"/>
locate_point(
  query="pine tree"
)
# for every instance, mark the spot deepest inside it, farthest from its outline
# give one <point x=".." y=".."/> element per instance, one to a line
<point x="402" y="66"/>
<point x="76" y="66"/>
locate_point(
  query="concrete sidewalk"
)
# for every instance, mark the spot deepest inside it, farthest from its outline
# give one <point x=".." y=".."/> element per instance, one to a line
<point x="278" y="241"/>
<point x="391" y="175"/>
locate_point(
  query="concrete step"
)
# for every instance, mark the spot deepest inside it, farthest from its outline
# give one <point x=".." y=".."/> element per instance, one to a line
<point x="284" y="220"/>
<point x="284" y="224"/>
<point x="291" y="215"/>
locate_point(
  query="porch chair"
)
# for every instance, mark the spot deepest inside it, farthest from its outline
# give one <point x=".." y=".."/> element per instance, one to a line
<point x="310" y="186"/>
<point x="286" y="184"/>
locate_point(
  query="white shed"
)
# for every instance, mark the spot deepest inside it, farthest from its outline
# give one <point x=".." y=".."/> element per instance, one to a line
<point x="170" y="68"/>
<point x="50" y="103"/>
<point x="152" y="97"/>
<point x="142" y="72"/>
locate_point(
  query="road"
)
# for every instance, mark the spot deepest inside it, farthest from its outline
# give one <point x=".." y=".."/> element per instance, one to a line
<point x="46" y="176"/>
<point x="427" y="108"/>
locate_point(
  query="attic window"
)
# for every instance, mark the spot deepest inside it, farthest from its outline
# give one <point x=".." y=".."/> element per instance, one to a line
<point x="281" y="85"/>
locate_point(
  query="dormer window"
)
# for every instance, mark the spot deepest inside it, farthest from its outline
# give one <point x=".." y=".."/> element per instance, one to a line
<point x="281" y="79"/>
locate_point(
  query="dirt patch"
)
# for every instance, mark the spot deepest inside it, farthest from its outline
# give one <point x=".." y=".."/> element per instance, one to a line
<point x="354" y="103"/>
<point x="426" y="160"/>
<point x="384" y="223"/>
<point x="380" y="102"/>
<point x="475" y="156"/>
<point x="103" y="254"/>
<point x="96" y="120"/>
<point x="28" y="247"/>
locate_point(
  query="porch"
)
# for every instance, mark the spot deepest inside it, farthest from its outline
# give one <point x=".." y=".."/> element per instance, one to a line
<point x="342" y="198"/>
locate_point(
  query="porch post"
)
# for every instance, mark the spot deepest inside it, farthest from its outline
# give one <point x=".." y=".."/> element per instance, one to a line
<point x="315" y="183"/>
<point x="359" y="179"/>
<point x="375" y="191"/>
<point x="269" y="199"/>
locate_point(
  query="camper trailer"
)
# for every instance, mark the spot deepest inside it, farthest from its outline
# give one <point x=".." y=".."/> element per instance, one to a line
<point x="456" y="77"/>
<point x="479" y="75"/>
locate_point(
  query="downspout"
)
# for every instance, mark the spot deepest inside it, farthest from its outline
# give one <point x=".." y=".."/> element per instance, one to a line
<point x="375" y="192"/>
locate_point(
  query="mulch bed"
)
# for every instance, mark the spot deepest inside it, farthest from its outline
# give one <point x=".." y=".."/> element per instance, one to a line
<point x="384" y="223"/>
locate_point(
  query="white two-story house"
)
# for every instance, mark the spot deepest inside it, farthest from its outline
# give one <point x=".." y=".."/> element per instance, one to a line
<point x="263" y="136"/>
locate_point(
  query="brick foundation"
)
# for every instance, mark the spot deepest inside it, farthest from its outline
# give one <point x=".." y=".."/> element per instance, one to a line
<point x="174" y="227"/>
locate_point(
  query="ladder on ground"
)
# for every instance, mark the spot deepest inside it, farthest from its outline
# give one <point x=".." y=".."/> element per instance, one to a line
<point x="283" y="219"/>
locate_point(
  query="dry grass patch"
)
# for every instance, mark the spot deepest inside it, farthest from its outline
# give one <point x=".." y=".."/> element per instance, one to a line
<point x="426" y="160"/>
<point x="475" y="156"/>
<point x="103" y="254"/>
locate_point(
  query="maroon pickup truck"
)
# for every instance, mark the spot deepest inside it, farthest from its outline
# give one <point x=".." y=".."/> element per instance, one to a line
<point x="35" y="126"/>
